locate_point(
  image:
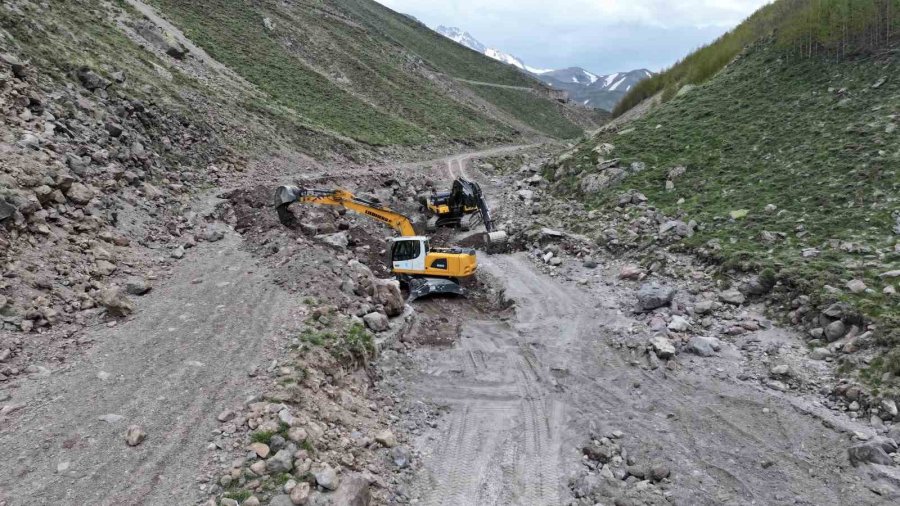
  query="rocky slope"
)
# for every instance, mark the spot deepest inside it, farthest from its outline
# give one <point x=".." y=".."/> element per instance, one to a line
<point x="804" y="197"/>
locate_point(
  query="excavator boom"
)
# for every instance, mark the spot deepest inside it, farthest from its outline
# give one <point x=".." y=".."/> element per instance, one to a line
<point x="287" y="195"/>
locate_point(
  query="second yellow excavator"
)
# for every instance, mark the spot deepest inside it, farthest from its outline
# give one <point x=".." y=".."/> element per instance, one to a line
<point x="425" y="269"/>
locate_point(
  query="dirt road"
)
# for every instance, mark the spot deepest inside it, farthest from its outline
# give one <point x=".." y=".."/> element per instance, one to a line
<point x="521" y="397"/>
<point x="521" y="394"/>
<point x="171" y="369"/>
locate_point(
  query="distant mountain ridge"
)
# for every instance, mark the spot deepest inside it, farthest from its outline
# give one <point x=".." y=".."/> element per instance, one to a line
<point x="584" y="87"/>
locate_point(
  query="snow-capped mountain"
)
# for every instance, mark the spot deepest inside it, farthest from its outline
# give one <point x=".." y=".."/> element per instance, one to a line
<point x="461" y="37"/>
<point x="466" y="39"/>
<point x="591" y="90"/>
<point x="584" y="87"/>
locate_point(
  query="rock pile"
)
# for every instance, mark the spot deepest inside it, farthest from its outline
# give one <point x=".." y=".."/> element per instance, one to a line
<point x="89" y="173"/>
<point x="611" y="475"/>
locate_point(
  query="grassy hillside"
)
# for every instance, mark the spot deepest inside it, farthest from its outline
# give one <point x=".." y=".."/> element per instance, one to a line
<point x="815" y="138"/>
<point x="356" y="68"/>
<point x="834" y="28"/>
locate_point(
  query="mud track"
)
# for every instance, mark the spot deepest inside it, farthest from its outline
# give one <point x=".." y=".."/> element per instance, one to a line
<point x="521" y="394"/>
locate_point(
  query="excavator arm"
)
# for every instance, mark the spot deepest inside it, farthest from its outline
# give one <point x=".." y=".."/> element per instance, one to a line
<point x="287" y="195"/>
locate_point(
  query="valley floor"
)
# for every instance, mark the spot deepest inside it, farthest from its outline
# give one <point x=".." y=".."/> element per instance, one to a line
<point x="554" y="401"/>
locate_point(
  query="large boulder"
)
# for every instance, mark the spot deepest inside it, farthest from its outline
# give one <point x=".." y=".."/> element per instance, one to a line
<point x="377" y="322"/>
<point x="326" y="477"/>
<point x="652" y="296"/>
<point x="733" y="296"/>
<point x="703" y="346"/>
<point x="387" y="293"/>
<point x="115" y="302"/>
<point x="339" y="240"/>
<point x="662" y="346"/>
<point x="872" y="452"/>
<point x="281" y="462"/>
<point x="353" y="491"/>
<point x="80" y="194"/>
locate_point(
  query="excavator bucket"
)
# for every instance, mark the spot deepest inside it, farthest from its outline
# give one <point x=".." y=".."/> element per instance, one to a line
<point x="496" y="238"/>
<point x="284" y="197"/>
<point x="423" y="287"/>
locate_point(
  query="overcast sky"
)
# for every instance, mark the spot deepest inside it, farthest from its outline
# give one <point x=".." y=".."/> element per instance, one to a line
<point x="603" y="36"/>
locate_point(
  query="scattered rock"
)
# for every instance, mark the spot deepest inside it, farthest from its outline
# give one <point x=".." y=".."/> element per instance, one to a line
<point x="300" y="493"/>
<point x="652" y="296"/>
<point x="79" y="193"/>
<point x="137" y="286"/>
<point x="135" y="435"/>
<point x="658" y="472"/>
<point x="282" y="462"/>
<point x="662" y="346"/>
<point x="326" y="477"/>
<point x="732" y="296"/>
<point x="111" y="418"/>
<point x="386" y="438"/>
<point x="16" y="65"/>
<point x="869" y="452"/>
<point x="377" y="322"/>
<point x="260" y="449"/>
<point x="90" y="80"/>
<point x="339" y="240"/>
<point x="178" y="253"/>
<point x="856" y="286"/>
<point x="525" y="194"/>
<point x="835" y="330"/>
<point x="819" y="354"/>
<point x="115" y="302"/>
<point x="679" y="324"/>
<point x="630" y="271"/>
<point x="704" y="307"/>
<point x="387" y="293"/>
<point x="702" y="346"/>
<point x="889" y="407"/>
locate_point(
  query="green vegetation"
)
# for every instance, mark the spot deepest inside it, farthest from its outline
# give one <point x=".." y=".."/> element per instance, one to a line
<point x="450" y="58"/>
<point x="238" y="495"/>
<point x="353" y="346"/>
<point x="262" y="436"/>
<point x="814" y="137"/>
<point x="542" y="115"/>
<point x="232" y="32"/>
<point x="351" y="67"/>
<point x="836" y="28"/>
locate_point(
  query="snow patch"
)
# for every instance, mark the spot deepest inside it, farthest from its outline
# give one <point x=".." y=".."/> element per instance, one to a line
<point x="610" y="79"/>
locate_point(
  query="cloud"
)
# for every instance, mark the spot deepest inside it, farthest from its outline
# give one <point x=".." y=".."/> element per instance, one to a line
<point x="604" y="35"/>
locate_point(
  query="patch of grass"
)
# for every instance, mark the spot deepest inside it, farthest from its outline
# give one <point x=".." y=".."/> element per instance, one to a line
<point x="231" y="31"/>
<point x="262" y="436"/>
<point x="833" y="28"/>
<point x="813" y="137"/>
<point x="353" y="345"/>
<point x="306" y="445"/>
<point x="238" y="495"/>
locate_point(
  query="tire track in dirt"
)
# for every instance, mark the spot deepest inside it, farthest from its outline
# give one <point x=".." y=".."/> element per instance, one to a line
<point x="722" y="446"/>
<point x="173" y="366"/>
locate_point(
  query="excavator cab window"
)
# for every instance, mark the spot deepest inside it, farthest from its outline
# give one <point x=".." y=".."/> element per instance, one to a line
<point x="406" y="250"/>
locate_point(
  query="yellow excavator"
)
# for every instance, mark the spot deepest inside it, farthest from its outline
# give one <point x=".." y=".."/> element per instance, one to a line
<point x="426" y="270"/>
<point x="463" y="206"/>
